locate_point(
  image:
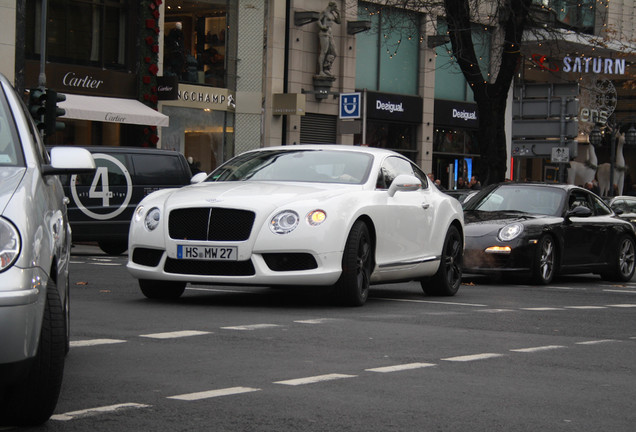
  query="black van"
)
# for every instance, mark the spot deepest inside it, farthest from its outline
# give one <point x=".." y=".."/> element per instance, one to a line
<point x="102" y="203"/>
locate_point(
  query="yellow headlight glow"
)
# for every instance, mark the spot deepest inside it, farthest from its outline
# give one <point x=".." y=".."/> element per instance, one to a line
<point x="316" y="217"/>
<point x="499" y="249"/>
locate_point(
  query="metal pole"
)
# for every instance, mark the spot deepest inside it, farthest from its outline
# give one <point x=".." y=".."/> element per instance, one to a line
<point x="42" y="76"/>
<point x="364" y="117"/>
<point x="612" y="160"/>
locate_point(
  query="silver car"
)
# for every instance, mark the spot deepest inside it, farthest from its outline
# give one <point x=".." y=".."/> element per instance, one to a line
<point x="35" y="242"/>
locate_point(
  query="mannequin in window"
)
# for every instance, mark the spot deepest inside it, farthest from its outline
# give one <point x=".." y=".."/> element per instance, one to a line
<point x="175" y="51"/>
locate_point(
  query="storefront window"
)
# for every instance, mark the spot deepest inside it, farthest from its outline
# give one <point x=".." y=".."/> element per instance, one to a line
<point x="199" y="134"/>
<point x="393" y="136"/>
<point x="195" y="44"/>
<point x="80" y="32"/>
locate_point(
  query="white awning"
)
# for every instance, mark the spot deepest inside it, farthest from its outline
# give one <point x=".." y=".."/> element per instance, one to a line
<point x="113" y="110"/>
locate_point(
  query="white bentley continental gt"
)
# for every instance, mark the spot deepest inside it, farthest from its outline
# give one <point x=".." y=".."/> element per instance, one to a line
<point x="337" y="216"/>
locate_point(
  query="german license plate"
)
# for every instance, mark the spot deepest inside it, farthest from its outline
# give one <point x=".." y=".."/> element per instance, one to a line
<point x="211" y="253"/>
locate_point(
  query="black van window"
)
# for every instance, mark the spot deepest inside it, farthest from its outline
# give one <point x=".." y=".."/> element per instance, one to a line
<point x="156" y="169"/>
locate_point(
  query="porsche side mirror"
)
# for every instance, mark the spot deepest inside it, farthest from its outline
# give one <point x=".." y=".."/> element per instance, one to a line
<point x="404" y="183"/>
<point x="579" y="211"/>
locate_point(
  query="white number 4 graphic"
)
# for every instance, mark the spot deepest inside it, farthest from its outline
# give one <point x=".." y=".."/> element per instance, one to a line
<point x="101" y="175"/>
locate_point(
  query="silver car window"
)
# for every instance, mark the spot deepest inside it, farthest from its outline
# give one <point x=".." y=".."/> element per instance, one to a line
<point x="10" y="149"/>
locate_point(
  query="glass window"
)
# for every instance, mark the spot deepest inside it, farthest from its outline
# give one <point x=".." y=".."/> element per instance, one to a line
<point x="158" y="170"/>
<point x="10" y="150"/>
<point x="395" y="166"/>
<point x="449" y="80"/>
<point x="387" y="56"/>
<point x="195" y="43"/>
<point x="80" y="31"/>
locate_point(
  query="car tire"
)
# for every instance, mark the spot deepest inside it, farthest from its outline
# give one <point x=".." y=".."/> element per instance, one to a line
<point x="544" y="264"/>
<point x="32" y="400"/>
<point x="352" y="287"/>
<point x="448" y="278"/>
<point x="623" y="263"/>
<point x="161" y="290"/>
<point x="113" y="247"/>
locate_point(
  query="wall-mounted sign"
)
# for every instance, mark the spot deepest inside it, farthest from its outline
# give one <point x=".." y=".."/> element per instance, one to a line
<point x="394" y="107"/>
<point x="350" y="104"/>
<point x="289" y="104"/>
<point x="597" y="65"/>
<point x="456" y="114"/>
<point x="194" y="96"/>
<point x="82" y="80"/>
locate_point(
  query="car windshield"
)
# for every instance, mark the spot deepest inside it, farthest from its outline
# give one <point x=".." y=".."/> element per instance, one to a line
<point x="520" y="198"/>
<point x="10" y="150"/>
<point x="322" y="166"/>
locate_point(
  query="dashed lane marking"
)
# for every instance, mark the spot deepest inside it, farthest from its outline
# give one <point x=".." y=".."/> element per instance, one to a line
<point x="429" y="301"/>
<point x="94" y="342"/>
<point x="619" y="291"/>
<point x="538" y="349"/>
<point x="314" y="379"/>
<point x="402" y="367"/>
<point x="473" y="357"/>
<point x="95" y="411"/>
<point x="542" y="309"/>
<point x="496" y="310"/>
<point x="175" y="334"/>
<point x="214" y="393"/>
<point x="316" y="321"/>
<point x="585" y="307"/>
<point x="625" y="305"/>
<point x="251" y="327"/>
<point x="596" y="342"/>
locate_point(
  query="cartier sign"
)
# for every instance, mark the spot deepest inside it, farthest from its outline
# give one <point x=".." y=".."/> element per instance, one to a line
<point x="83" y="80"/>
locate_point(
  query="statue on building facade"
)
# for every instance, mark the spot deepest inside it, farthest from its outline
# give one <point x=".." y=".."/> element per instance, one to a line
<point x="327" y="54"/>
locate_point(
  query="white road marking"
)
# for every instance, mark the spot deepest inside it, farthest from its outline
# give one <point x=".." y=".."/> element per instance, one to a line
<point x="316" y="321"/>
<point x="214" y="393"/>
<point x="401" y="367"/>
<point x="595" y="342"/>
<point x="175" y="334"/>
<point x="106" y="264"/>
<point x="495" y="310"/>
<point x="619" y="291"/>
<point x="251" y="327"/>
<point x="314" y="379"/>
<point x="473" y="357"/>
<point x="214" y="290"/>
<point x="429" y="301"/>
<point x="95" y="411"/>
<point x="539" y="348"/>
<point x="626" y="305"/>
<point x="585" y="307"/>
<point x="542" y="309"/>
<point x="93" y="342"/>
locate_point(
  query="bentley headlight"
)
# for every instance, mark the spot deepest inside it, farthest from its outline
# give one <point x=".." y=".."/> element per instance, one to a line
<point x="152" y="219"/>
<point x="9" y="244"/>
<point x="284" y="222"/>
<point x="510" y="232"/>
<point x="316" y="217"/>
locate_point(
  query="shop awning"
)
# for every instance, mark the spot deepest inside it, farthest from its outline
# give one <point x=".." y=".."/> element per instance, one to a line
<point x="113" y="110"/>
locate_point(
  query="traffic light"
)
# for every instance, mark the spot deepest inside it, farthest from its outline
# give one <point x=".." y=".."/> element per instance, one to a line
<point x="52" y="112"/>
<point x="37" y="106"/>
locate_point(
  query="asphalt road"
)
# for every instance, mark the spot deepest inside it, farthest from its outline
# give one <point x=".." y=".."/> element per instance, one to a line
<point x="496" y="357"/>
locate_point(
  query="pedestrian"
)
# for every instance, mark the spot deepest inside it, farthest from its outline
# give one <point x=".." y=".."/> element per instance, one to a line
<point x="474" y="183"/>
<point x="461" y="184"/>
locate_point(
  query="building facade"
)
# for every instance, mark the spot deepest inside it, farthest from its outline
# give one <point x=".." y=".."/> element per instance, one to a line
<point x="214" y="78"/>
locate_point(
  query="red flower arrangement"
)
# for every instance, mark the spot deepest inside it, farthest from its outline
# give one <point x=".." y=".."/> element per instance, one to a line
<point x="149" y="58"/>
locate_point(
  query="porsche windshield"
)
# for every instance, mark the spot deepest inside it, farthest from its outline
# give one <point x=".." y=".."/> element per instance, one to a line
<point x="321" y="166"/>
<point x="520" y="198"/>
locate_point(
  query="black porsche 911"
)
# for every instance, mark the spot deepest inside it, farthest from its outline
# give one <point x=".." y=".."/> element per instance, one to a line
<point x="543" y="230"/>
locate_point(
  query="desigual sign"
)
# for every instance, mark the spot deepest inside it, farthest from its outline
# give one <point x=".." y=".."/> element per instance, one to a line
<point x="394" y="107"/>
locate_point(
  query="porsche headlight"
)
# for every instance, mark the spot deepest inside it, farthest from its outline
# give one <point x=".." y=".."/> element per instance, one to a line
<point x="284" y="222"/>
<point x="9" y="244"/>
<point x="152" y="219"/>
<point x="510" y="232"/>
<point x="316" y="217"/>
